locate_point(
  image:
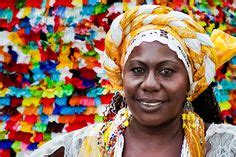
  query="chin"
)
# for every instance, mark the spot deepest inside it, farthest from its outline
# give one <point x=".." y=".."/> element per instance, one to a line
<point x="150" y="121"/>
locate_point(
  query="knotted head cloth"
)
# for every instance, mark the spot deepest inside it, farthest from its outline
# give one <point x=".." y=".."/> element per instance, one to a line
<point x="204" y="54"/>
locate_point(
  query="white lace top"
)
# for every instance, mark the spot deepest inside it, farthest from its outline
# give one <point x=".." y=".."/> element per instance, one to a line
<point x="220" y="138"/>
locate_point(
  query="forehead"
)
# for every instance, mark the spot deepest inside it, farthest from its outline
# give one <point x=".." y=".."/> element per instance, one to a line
<point x="153" y="51"/>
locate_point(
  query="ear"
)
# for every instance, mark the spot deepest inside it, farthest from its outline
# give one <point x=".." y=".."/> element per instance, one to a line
<point x="188" y="88"/>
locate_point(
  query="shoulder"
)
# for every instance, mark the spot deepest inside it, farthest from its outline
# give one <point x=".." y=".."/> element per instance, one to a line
<point x="71" y="142"/>
<point x="221" y="140"/>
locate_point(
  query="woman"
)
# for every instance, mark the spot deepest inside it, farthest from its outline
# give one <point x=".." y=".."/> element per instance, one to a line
<point x="160" y="61"/>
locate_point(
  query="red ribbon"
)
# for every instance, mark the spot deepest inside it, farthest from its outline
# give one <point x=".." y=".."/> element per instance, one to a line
<point x="106" y="99"/>
<point x="75" y="126"/>
<point x="47" y="102"/>
<point x="16" y="101"/>
<point x="33" y="4"/>
<point x="38" y="137"/>
<point x="32" y="119"/>
<point x="20" y="136"/>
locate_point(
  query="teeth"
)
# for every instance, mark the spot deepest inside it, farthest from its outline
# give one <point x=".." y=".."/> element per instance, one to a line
<point x="150" y="104"/>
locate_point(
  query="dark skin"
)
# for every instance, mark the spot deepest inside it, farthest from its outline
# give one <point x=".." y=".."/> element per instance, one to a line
<point x="155" y="90"/>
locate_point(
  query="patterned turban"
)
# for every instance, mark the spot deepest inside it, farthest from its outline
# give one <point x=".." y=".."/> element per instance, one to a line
<point x="204" y="54"/>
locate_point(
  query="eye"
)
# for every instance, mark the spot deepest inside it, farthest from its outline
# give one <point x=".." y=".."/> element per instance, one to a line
<point x="138" y="70"/>
<point x="167" y="72"/>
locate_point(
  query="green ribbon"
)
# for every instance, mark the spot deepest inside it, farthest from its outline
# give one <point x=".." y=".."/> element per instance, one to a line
<point x="40" y="127"/>
<point x="16" y="146"/>
<point x="47" y="136"/>
<point x="100" y="8"/>
<point x="2" y="135"/>
<point x="20" y="4"/>
<point x="98" y="118"/>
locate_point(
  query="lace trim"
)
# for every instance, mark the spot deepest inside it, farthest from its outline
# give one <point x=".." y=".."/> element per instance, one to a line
<point x="221" y="141"/>
<point x="220" y="128"/>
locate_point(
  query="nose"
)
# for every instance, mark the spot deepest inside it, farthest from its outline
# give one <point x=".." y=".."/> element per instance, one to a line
<point x="151" y="82"/>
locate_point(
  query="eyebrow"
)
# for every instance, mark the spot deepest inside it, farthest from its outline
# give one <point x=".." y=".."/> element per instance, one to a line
<point x="159" y="63"/>
<point x="135" y="61"/>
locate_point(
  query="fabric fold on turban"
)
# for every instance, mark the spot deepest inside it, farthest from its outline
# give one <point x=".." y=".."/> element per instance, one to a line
<point x="205" y="54"/>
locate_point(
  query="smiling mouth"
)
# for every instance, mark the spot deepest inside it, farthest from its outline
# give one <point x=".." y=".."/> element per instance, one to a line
<point x="150" y="104"/>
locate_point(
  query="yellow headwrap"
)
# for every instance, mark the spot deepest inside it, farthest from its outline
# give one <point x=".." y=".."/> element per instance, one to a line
<point x="205" y="54"/>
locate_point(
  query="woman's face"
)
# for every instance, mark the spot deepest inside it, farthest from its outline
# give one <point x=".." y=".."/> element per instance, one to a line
<point x="155" y="84"/>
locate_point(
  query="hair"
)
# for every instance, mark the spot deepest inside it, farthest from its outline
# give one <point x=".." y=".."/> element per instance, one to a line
<point x="205" y="105"/>
<point x="117" y="102"/>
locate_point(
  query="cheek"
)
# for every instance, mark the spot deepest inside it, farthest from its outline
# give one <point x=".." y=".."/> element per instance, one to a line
<point x="130" y="82"/>
<point x="180" y="83"/>
<point x="129" y="89"/>
<point x="176" y="92"/>
<point x="131" y="86"/>
<point x="177" y="89"/>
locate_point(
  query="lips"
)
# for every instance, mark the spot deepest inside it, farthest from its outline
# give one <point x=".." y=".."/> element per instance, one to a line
<point x="150" y="105"/>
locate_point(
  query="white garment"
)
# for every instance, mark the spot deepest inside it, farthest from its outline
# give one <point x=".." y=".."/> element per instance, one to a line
<point x="220" y="138"/>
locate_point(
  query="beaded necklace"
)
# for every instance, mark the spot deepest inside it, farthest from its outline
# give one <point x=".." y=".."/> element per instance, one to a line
<point x="111" y="131"/>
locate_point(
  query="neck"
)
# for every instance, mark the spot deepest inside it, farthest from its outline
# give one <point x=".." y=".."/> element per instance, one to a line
<point x="158" y="135"/>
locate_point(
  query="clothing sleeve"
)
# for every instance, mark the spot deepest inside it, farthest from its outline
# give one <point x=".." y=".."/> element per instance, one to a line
<point x="221" y="140"/>
<point x="71" y="142"/>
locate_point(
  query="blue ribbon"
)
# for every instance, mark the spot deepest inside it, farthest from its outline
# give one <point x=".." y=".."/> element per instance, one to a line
<point x="57" y="110"/>
<point x="94" y="92"/>
<point x="32" y="146"/>
<point x="97" y="101"/>
<point x="87" y="10"/>
<point x="61" y="101"/>
<point x="61" y="11"/>
<point x="38" y="75"/>
<point x="80" y="109"/>
<point x="44" y="119"/>
<point x="6" y="14"/>
<point x="4" y="118"/>
<point x="92" y="2"/>
<point x="68" y="110"/>
<point x="17" y="92"/>
<point x="5" y="144"/>
<point x="5" y="101"/>
<point x="88" y="83"/>
<point x="48" y="66"/>
<point x="55" y="75"/>
<point x="26" y="25"/>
